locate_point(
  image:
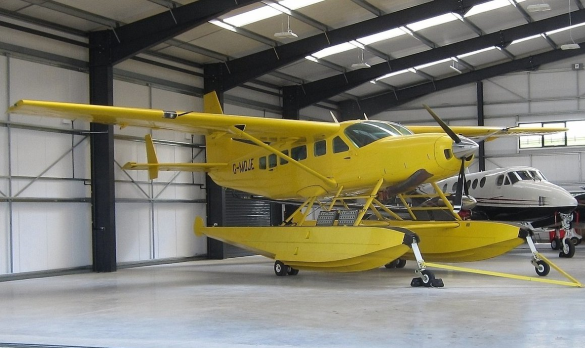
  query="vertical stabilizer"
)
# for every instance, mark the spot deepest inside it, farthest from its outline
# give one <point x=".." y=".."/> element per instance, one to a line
<point x="151" y="157"/>
<point x="211" y="103"/>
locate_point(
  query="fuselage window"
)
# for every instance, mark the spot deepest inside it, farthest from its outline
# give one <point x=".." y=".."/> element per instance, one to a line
<point x="500" y="180"/>
<point x="454" y="188"/>
<point x="272" y="161"/>
<point x="445" y="188"/>
<point x="320" y="148"/>
<point x="299" y="153"/>
<point x="364" y="133"/>
<point x="282" y="160"/>
<point x="467" y="184"/>
<point x="339" y="145"/>
<point x="482" y="182"/>
<point x="262" y="162"/>
<point x="474" y="185"/>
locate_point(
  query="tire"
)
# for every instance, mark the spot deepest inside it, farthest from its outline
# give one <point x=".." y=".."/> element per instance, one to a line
<point x="427" y="278"/>
<point x="280" y="269"/>
<point x="391" y="264"/>
<point x="554" y="244"/>
<point x="575" y="240"/>
<point x="292" y="271"/>
<point x="400" y="263"/>
<point x="542" y="268"/>
<point x="571" y="248"/>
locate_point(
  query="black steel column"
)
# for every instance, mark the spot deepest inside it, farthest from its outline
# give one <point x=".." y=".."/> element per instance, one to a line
<point x="101" y="90"/>
<point x="216" y="206"/>
<point x="290" y="102"/>
<point x="480" y="122"/>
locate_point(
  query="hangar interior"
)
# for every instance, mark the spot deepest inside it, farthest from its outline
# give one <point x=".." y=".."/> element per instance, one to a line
<point x="500" y="59"/>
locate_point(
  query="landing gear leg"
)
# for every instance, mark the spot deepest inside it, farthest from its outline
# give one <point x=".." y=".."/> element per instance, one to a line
<point x="426" y="278"/>
<point x="567" y="247"/>
<point x="542" y="268"/>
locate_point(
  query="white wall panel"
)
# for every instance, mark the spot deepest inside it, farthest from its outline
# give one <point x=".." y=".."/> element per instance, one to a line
<point x="513" y="87"/>
<point x="4" y="238"/>
<point x="51" y="236"/>
<point x="36" y="42"/>
<point x="501" y="162"/>
<point x="174" y="231"/>
<point x="30" y="80"/>
<point x="133" y="232"/>
<point x="160" y="73"/>
<point x="4" y="158"/>
<point x="553" y="84"/>
<point x="553" y="107"/>
<point x="558" y="168"/>
<point x="491" y="110"/>
<point x="3" y="88"/>
<point x="254" y="95"/>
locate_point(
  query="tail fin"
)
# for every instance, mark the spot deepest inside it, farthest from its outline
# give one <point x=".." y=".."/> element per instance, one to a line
<point x="151" y="158"/>
<point x="211" y="104"/>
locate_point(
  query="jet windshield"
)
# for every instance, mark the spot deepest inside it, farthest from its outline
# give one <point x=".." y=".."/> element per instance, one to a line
<point x="519" y="175"/>
<point x="364" y="133"/>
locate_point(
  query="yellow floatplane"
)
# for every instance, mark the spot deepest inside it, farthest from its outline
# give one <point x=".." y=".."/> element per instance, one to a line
<point x="329" y="167"/>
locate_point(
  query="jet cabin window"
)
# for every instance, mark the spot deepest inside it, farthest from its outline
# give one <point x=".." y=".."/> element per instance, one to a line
<point x="500" y="180"/>
<point x="362" y="134"/>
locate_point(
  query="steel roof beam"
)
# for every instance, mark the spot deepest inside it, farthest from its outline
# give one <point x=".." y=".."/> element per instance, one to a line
<point x="135" y="37"/>
<point x="334" y="85"/>
<point x="240" y="70"/>
<point x="384" y="101"/>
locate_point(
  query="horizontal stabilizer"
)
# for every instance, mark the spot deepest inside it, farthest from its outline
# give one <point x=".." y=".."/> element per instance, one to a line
<point x="179" y="167"/>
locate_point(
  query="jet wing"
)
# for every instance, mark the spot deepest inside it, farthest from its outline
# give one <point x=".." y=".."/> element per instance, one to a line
<point x="191" y="122"/>
<point x="489" y="133"/>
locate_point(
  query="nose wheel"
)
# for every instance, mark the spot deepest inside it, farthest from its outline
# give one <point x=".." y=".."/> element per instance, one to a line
<point x="425" y="277"/>
<point x="281" y="270"/>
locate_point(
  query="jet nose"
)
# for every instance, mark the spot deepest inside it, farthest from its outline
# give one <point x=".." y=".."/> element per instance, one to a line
<point x="465" y="148"/>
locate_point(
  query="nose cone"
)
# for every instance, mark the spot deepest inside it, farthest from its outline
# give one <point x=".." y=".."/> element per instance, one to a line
<point x="465" y="148"/>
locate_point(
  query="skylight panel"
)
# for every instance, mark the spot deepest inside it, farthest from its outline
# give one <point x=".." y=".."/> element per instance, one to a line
<point x="265" y="12"/>
<point x="565" y="28"/>
<point x="385" y="35"/>
<point x="399" y="72"/>
<point x="432" y="63"/>
<point x="489" y="6"/>
<point x="222" y="24"/>
<point x="431" y="22"/>
<point x="346" y="46"/>
<point x="525" y="39"/>
<point x="476" y="52"/>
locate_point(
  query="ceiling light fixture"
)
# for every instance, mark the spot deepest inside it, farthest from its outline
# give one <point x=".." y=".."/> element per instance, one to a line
<point x="538" y="7"/>
<point x="362" y="64"/>
<point x="288" y="34"/>
<point x="455" y="66"/>
<point x="572" y="45"/>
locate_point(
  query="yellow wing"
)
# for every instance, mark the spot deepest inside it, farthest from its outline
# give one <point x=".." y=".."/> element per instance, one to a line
<point x="191" y="122"/>
<point x="489" y="133"/>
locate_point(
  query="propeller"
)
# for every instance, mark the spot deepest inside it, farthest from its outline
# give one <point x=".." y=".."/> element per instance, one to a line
<point x="463" y="148"/>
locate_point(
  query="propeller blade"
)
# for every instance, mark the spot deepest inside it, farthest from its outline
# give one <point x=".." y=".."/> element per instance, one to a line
<point x="458" y="201"/>
<point x="443" y="125"/>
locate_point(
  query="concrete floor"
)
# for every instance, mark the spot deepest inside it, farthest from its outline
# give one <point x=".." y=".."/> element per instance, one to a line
<point x="241" y="303"/>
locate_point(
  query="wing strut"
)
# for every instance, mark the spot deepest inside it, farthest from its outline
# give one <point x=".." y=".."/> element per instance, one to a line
<point x="240" y="132"/>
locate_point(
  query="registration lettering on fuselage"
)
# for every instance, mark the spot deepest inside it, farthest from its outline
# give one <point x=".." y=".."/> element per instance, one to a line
<point x="243" y="166"/>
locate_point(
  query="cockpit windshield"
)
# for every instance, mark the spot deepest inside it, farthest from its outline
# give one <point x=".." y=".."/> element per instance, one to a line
<point x="364" y="133"/>
<point x="519" y="175"/>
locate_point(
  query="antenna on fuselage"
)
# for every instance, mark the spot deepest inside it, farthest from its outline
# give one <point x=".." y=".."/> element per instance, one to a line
<point x="366" y="117"/>
<point x="334" y="118"/>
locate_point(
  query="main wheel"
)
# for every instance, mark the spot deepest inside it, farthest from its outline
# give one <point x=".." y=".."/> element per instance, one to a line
<point x="554" y="244"/>
<point x="542" y="268"/>
<point x="280" y="268"/>
<point x="427" y="278"/>
<point x="575" y="241"/>
<point x="568" y="250"/>
<point x="400" y="263"/>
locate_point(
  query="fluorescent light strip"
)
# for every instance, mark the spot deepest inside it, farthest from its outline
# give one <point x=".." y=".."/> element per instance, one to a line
<point x="346" y="46"/>
<point x="399" y="72"/>
<point x="431" y="22"/>
<point x="385" y="35"/>
<point x="525" y="39"/>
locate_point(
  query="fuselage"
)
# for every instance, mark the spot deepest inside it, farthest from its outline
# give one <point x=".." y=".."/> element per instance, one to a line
<point x="514" y="194"/>
<point x="355" y="159"/>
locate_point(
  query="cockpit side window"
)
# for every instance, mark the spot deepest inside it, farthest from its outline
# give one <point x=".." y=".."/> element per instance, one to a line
<point x="513" y="177"/>
<point x="339" y="145"/>
<point x="320" y="148"/>
<point x="507" y="181"/>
